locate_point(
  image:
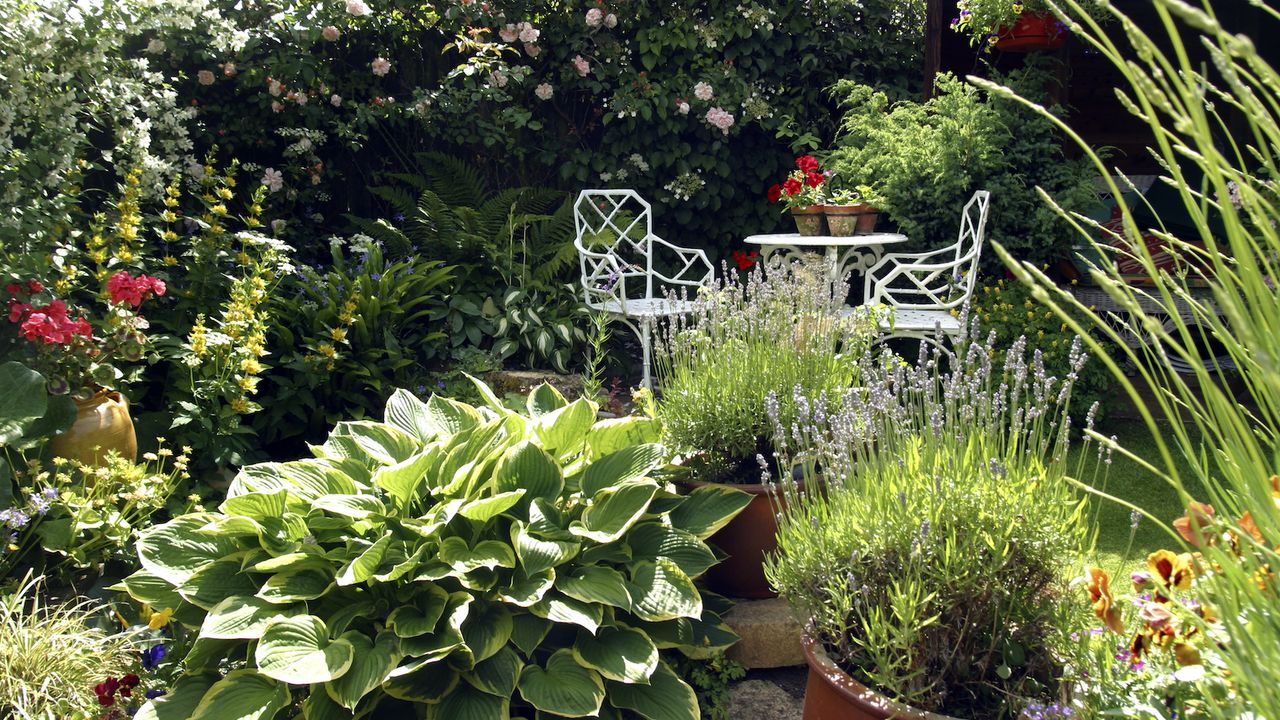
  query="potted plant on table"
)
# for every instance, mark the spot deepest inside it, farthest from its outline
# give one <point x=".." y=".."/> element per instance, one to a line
<point x="802" y="194"/>
<point x="852" y="212"/>
<point x="743" y="343"/>
<point x="84" y="358"/>
<point x="1024" y="26"/>
<point x="931" y="570"/>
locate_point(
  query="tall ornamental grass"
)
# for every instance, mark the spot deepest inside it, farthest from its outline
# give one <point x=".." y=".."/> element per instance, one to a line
<point x="1228" y="443"/>
<point x="742" y="340"/>
<point x="933" y="564"/>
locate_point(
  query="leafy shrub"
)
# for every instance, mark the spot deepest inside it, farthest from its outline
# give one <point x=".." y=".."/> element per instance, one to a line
<point x="476" y="560"/>
<point x="517" y="294"/>
<point x="927" y="158"/>
<point x="346" y="336"/>
<point x="743" y="342"/>
<point x="933" y="565"/>
<point x="52" y="656"/>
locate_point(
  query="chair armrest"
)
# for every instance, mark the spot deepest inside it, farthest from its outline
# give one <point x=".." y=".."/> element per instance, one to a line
<point x="603" y="277"/>
<point x="692" y="257"/>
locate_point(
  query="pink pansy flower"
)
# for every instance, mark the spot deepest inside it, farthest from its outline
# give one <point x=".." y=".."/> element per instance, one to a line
<point x="380" y="66"/>
<point x="330" y="33"/>
<point x="581" y="65"/>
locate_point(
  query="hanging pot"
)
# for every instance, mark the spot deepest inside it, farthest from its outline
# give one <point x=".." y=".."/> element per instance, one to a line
<point x="831" y="694"/>
<point x="809" y="220"/>
<point x="1032" y="31"/>
<point x="102" y="425"/>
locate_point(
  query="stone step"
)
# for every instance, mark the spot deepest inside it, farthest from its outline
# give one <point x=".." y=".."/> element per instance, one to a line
<point x="754" y="699"/>
<point x="770" y="635"/>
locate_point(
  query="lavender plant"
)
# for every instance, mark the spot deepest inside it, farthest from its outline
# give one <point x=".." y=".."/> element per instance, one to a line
<point x="933" y="565"/>
<point x="743" y="341"/>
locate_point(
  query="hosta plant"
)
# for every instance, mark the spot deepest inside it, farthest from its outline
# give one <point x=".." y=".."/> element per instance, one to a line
<point x="474" y="562"/>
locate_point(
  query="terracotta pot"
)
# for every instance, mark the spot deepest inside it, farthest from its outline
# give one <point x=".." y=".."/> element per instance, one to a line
<point x="867" y="223"/>
<point x="809" y="220"/>
<point x="830" y="694"/>
<point x="846" y="220"/>
<point x="1032" y="31"/>
<point x="102" y="424"/>
<point x="746" y="539"/>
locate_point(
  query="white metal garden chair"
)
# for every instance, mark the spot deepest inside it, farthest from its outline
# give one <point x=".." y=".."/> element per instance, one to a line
<point x="617" y="251"/>
<point x="922" y="289"/>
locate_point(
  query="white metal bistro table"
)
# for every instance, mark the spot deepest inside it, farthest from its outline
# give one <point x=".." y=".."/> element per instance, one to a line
<point x="844" y="254"/>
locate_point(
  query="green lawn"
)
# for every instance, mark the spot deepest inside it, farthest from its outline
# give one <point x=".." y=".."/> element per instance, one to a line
<point x="1128" y="481"/>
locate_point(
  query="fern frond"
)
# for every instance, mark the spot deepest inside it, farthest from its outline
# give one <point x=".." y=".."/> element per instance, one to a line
<point x="456" y="181"/>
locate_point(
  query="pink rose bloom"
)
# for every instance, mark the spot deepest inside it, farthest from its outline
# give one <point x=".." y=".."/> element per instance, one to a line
<point x="720" y="119"/>
<point x="508" y="33"/>
<point x="357" y="8"/>
<point x="277" y="106"/>
<point x="611" y="21"/>
<point x="703" y="92"/>
<point x="330" y="33"/>
<point x="682" y="107"/>
<point x="544" y="91"/>
<point x="498" y="78"/>
<point x="581" y="65"/>
<point x="274" y="87"/>
<point x="380" y="66"/>
<point x="205" y="77"/>
<point x="532" y="50"/>
<point x="529" y="33"/>
<point x="229" y="69"/>
<point x="335" y="100"/>
<point x="595" y="17"/>
<point x="300" y="98"/>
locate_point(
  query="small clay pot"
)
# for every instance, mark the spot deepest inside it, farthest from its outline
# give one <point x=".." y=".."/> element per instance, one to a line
<point x="846" y="220"/>
<point x="809" y="220"/>
<point x="867" y="223"/>
<point x="831" y="694"/>
<point x="102" y="424"/>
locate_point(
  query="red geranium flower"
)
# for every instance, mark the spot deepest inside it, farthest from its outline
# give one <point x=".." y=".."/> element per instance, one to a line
<point x="13" y="288"/>
<point x="807" y="163"/>
<point x="124" y="288"/>
<point x="792" y="186"/>
<point x="775" y="192"/>
<point x="745" y="260"/>
<point x="814" y="179"/>
<point x="35" y="286"/>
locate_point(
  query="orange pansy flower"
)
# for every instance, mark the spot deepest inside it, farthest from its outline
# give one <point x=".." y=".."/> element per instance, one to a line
<point x="1103" y="602"/>
<point x="1202" y="515"/>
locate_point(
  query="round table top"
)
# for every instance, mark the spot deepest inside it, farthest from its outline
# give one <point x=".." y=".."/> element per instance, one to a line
<point x="798" y="240"/>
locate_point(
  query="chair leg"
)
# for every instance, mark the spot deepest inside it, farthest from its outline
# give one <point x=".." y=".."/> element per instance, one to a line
<point x="646" y="345"/>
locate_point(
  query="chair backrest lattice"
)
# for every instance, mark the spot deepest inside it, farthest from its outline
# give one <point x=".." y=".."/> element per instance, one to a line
<point x="939" y="280"/>
<point x="616" y="244"/>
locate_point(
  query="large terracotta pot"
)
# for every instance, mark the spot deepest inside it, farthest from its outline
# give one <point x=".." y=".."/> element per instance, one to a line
<point x="102" y="425"/>
<point x="809" y="220"/>
<point x="1032" y="31"/>
<point x="830" y="694"/>
<point x="746" y="539"/>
